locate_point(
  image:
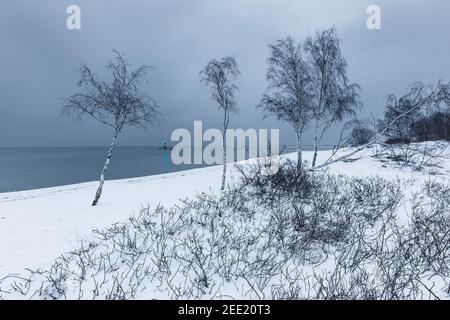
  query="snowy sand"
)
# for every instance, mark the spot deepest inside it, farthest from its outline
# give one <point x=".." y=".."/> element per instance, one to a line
<point x="39" y="225"/>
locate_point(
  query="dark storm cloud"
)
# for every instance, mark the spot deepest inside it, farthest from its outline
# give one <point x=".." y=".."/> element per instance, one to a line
<point x="39" y="57"/>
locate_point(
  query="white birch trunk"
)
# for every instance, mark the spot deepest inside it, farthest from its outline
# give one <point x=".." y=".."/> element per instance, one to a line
<point x="224" y="153"/>
<point x="299" y="150"/>
<point x="224" y="173"/>
<point x="98" y="194"/>
<point x="316" y="142"/>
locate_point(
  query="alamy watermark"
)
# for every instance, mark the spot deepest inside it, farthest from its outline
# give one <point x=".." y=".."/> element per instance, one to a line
<point x="374" y="19"/>
<point x="238" y="145"/>
<point x="73" y="21"/>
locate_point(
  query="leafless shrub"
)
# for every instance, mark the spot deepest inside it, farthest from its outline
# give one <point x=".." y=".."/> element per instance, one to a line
<point x="361" y="133"/>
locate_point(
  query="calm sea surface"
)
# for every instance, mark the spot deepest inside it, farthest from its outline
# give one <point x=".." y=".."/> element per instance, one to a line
<point x="32" y="168"/>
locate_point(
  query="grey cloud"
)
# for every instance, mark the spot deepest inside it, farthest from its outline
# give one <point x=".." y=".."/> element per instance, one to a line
<point x="40" y="57"/>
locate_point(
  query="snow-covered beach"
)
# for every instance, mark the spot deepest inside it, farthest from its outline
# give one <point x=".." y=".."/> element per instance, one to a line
<point x="37" y="226"/>
<point x="43" y="223"/>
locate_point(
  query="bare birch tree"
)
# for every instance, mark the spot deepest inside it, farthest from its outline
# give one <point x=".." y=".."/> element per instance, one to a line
<point x="334" y="96"/>
<point x="221" y="75"/>
<point x="289" y="93"/>
<point x="117" y="103"/>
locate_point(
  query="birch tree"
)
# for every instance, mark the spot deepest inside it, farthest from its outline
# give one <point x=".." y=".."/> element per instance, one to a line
<point x="117" y="103"/>
<point x="221" y="75"/>
<point x="334" y="96"/>
<point x="289" y="92"/>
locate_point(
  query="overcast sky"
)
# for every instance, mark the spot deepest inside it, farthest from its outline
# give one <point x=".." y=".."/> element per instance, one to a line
<point x="39" y="57"/>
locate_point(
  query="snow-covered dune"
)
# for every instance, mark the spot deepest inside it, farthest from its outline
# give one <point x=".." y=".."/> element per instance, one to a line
<point x="37" y="226"/>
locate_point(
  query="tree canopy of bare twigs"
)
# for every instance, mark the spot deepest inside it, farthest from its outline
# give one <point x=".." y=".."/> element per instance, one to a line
<point x="117" y="103"/>
<point x="289" y="94"/>
<point x="334" y="97"/>
<point x="221" y="76"/>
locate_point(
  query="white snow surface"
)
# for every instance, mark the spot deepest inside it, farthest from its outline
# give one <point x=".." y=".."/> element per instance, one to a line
<point x="37" y="226"/>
